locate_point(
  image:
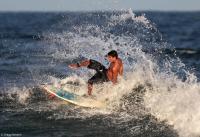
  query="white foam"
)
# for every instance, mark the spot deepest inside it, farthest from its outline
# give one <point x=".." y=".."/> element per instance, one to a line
<point x="178" y="103"/>
<point x="168" y="97"/>
<point x="19" y="94"/>
<point x="116" y="19"/>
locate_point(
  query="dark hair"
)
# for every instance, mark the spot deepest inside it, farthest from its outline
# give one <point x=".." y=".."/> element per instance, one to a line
<point x="112" y="53"/>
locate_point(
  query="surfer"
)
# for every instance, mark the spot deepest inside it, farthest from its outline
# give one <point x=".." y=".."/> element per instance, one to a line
<point x="102" y="74"/>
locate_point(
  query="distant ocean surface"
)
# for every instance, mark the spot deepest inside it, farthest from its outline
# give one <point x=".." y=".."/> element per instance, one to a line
<point x="161" y="90"/>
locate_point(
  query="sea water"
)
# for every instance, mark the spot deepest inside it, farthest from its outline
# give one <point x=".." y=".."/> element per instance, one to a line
<point x="157" y="96"/>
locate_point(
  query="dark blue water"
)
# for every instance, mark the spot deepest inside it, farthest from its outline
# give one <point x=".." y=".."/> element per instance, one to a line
<point x="36" y="46"/>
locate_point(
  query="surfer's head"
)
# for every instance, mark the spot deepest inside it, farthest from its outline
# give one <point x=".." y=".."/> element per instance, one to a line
<point x="112" y="56"/>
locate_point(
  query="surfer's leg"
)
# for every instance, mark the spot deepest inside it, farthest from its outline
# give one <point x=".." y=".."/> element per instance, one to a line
<point x="91" y="81"/>
<point x="90" y="89"/>
<point x="90" y="85"/>
<point x="96" y="79"/>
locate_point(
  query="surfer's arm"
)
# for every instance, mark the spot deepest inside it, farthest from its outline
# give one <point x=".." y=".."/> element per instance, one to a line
<point x="84" y="63"/>
<point x="121" y="70"/>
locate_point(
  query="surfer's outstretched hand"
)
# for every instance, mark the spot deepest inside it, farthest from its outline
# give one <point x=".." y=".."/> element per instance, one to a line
<point x="73" y="66"/>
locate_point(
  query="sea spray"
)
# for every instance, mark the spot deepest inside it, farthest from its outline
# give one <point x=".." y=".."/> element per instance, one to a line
<point x="178" y="103"/>
<point x="156" y="85"/>
<point x="173" y="92"/>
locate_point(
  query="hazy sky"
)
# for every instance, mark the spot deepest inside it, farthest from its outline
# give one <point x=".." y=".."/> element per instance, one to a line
<point x="80" y="5"/>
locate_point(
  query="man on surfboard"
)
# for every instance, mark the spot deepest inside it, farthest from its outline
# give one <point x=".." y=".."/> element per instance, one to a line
<point x="102" y="74"/>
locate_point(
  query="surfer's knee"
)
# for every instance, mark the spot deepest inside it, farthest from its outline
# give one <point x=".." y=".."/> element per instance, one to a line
<point x="90" y="82"/>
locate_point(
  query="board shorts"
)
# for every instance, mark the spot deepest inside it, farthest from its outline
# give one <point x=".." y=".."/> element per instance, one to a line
<point x="100" y="75"/>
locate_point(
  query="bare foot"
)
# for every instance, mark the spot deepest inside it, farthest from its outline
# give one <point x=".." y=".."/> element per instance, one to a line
<point x="52" y="96"/>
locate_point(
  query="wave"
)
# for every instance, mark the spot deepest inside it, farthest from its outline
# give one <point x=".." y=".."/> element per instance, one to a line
<point x="155" y="83"/>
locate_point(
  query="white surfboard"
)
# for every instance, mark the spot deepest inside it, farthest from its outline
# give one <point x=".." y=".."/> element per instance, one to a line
<point x="72" y="97"/>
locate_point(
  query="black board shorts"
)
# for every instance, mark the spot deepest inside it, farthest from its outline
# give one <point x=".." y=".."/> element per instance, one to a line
<point x="100" y="75"/>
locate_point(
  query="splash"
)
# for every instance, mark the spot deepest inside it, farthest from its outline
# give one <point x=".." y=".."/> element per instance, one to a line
<point x="169" y="97"/>
<point x="17" y="95"/>
<point x="115" y="19"/>
<point x="177" y="102"/>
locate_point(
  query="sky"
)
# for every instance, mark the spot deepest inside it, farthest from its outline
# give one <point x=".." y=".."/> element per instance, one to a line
<point x="91" y="5"/>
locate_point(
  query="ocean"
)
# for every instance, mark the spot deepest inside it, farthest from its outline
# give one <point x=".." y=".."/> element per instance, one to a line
<point x="159" y="95"/>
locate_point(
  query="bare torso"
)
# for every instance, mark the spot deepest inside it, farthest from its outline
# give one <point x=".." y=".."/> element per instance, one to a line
<point x="115" y="69"/>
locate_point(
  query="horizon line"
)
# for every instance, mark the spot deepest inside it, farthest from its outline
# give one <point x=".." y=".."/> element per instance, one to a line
<point x="107" y="10"/>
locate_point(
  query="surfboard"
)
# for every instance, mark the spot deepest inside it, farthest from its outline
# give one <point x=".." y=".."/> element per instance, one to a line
<point x="72" y="97"/>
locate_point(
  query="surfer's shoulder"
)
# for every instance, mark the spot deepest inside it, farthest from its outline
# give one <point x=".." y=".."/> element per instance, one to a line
<point x="119" y="60"/>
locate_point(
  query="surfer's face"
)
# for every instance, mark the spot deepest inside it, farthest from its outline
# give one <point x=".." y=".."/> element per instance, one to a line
<point x="111" y="59"/>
